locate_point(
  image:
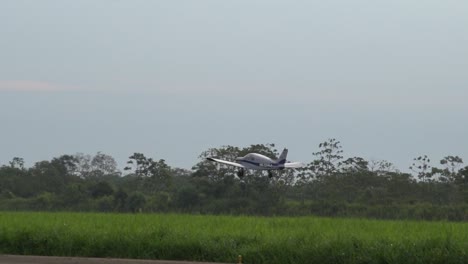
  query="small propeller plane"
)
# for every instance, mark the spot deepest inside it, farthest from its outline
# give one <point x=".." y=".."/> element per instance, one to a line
<point x="255" y="161"/>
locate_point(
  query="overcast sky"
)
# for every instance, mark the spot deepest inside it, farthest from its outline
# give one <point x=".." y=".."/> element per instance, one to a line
<point x="170" y="79"/>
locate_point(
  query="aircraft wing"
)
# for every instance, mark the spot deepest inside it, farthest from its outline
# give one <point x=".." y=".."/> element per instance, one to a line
<point x="294" y="165"/>
<point x="230" y="163"/>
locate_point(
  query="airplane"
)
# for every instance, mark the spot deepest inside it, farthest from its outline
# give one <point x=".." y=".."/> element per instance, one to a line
<point x="255" y="161"/>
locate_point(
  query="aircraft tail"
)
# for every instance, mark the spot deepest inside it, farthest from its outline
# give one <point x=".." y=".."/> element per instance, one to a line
<point x="282" y="157"/>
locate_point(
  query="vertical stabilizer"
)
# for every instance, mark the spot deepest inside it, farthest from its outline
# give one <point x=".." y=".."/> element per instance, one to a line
<point x="282" y="157"/>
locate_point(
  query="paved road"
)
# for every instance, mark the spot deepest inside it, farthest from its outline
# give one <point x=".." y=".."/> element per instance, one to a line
<point x="14" y="259"/>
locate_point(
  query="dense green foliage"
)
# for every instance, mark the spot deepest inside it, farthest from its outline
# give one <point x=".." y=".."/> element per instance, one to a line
<point x="330" y="185"/>
<point x="223" y="238"/>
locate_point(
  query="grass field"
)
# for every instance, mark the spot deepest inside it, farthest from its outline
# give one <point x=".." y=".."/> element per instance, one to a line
<point x="223" y="238"/>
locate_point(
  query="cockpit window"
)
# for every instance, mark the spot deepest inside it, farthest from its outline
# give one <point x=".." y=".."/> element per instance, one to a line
<point x="249" y="156"/>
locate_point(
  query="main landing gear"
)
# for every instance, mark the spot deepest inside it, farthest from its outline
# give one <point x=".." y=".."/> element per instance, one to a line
<point x="241" y="173"/>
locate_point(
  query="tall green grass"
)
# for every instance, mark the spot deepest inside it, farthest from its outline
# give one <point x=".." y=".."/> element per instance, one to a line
<point x="223" y="238"/>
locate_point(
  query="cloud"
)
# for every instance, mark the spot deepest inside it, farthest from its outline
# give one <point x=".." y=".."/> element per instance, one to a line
<point x="32" y="86"/>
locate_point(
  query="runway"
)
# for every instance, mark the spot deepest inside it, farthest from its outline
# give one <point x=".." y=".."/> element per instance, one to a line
<point x="15" y="259"/>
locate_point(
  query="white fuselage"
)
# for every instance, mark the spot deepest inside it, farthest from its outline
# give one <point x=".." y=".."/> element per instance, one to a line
<point x="257" y="161"/>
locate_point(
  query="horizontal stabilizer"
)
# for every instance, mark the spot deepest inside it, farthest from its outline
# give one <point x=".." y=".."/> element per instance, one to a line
<point x="294" y="165"/>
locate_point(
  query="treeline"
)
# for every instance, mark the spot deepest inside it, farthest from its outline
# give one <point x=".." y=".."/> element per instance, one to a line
<point x="330" y="185"/>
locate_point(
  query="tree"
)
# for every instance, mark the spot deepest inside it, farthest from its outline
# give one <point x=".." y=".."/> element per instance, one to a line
<point x="83" y="165"/>
<point x="154" y="175"/>
<point x="136" y="202"/>
<point x="15" y="180"/>
<point x="452" y="165"/>
<point x="268" y="150"/>
<point x="74" y="195"/>
<point x="139" y="164"/>
<point x="50" y="178"/>
<point x="95" y="167"/>
<point x="421" y="166"/>
<point x="355" y="164"/>
<point x="216" y="172"/>
<point x="105" y="164"/>
<point x="382" y="167"/>
<point x="187" y="197"/>
<point x="160" y="177"/>
<point x="120" y="199"/>
<point x="101" y="189"/>
<point x="17" y="163"/>
<point x="66" y="165"/>
<point x="328" y="159"/>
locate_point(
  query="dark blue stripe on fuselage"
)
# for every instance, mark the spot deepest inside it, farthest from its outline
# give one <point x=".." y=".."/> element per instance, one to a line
<point x="251" y="162"/>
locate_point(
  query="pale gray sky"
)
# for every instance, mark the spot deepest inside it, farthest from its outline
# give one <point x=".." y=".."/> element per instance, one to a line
<point x="389" y="79"/>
